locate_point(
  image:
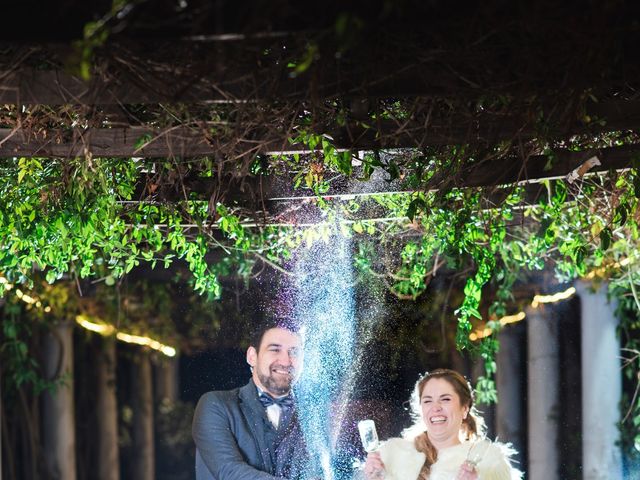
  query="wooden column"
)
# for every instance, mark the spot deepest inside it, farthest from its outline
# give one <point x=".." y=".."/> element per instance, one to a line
<point x="143" y="441"/>
<point x="510" y="371"/>
<point x="58" y="432"/>
<point x="543" y="364"/>
<point x="166" y="378"/>
<point x="601" y="386"/>
<point x="108" y="467"/>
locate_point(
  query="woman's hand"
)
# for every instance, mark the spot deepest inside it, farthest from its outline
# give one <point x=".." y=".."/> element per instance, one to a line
<point x="467" y="471"/>
<point x="373" y="467"/>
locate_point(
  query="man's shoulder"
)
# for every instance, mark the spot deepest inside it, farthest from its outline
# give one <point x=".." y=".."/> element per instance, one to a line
<point x="227" y="397"/>
<point x="221" y="396"/>
<point x="226" y="405"/>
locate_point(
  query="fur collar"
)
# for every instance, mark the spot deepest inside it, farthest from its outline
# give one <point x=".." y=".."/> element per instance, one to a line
<point x="403" y="462"/>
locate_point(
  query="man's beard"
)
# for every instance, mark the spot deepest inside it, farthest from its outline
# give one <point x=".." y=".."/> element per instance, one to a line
<point x="276" y="384"/>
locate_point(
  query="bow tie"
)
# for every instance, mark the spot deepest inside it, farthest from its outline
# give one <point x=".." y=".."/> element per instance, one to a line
<point x="283" y="402"/>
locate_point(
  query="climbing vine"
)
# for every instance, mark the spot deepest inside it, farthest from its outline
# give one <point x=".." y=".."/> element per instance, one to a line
<point x="585" y="228"/>
<point x="79" y="218"/>
<point x="98" y="218"/>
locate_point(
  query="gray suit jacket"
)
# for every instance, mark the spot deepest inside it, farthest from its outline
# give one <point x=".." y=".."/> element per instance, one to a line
<point x="236" y="441"/>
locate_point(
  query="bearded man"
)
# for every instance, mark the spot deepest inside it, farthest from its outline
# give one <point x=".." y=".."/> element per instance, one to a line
<point x="252" y="432"/>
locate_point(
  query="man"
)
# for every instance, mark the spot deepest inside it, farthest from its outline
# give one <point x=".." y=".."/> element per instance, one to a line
<point x="252" y="432"/>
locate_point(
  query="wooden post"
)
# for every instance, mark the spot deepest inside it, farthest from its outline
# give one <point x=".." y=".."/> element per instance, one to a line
<point x="166" y="379"/>
<point x="601" y="386"/>
<point x="58" y="433"/>
<point x="143" y="441"/>
<point x="108" y="467"/>
<point x="543" y="353"/>
<point x="509" y="415"/>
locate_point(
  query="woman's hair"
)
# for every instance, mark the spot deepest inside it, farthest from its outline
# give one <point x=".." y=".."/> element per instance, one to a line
<point x="471" y="425"/>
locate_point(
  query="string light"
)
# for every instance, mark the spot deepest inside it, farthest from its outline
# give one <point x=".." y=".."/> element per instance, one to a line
<point x="601" y="271"/>
<point x="478" y="334"/>
<point x="507" y="319"/>
<point x="541" y="299"/>
<point x="101" y="328"/>
<point x="556" y="297"/>
<point x="5" y="282"/>
<point x="148" y="342"/>
<point x="25" y="298"/>
<point x="535" y="303"/>
<point x="107" y="330"/>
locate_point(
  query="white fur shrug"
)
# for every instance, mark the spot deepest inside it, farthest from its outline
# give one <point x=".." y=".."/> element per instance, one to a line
<point x="403" y="462"/>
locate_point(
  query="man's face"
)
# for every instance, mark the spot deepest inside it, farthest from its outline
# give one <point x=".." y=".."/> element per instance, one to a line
<point x="277" y="362"/>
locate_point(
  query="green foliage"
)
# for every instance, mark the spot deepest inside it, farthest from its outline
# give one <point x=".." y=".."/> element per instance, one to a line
<point x="94" y="36"/>
<point x="76" y="218"/>
<point x="625" y="290"/>
<point x="324" y="158"/>
<point x="19" y="365"/>
<point x="304" y="63"/>
<point x="574" y="229"/>
<point x="68" y="220"/>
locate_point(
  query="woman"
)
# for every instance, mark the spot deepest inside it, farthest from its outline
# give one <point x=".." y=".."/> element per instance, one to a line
<point x="450" y="448"/>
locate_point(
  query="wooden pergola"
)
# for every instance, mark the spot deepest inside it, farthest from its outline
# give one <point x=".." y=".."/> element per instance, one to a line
<point x="182" y="80"/>
<point x="557" y="76"/>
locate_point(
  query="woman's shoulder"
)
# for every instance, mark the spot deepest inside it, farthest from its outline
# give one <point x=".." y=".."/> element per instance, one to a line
<point x="401" y="459"/>
<point x="483" y="448"/>
<point x="494" y="457"/>
<point x="493" y="460"/>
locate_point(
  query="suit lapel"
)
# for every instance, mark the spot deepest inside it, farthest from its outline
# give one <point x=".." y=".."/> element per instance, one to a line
<point x="256" y="417"/>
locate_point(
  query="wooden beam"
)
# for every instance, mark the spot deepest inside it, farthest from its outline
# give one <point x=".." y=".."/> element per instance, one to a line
<point x="194" y="141"/>
<point x="540" y="167"/>
<point x="278" y="190"/>
<point x="502" y="171"/>
<point x="211" y="82"/>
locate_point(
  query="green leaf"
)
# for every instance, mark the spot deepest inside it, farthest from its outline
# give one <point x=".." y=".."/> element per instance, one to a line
<point x="620" y="217"/>
<point x="10" y="330"/>
<point x="142" y="141"/>
<point x="393" y="171"/>
<point x="412" y="209"/>
<point x="605" y="238"/>
<point x="636" y="185"/>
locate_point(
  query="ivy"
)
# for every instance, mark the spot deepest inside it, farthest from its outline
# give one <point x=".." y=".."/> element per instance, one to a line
<point x="78" y="218"/>
<point x="21" y="367"/>
<point x="573" y="229"/>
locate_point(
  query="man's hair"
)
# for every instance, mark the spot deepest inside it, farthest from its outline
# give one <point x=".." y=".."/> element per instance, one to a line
<point x="260" y="328"/>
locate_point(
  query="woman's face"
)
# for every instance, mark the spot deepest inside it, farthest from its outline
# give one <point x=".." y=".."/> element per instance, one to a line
<point x="442" y="412"/>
